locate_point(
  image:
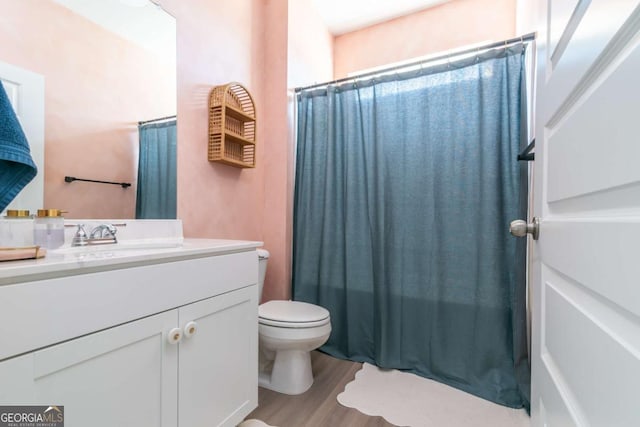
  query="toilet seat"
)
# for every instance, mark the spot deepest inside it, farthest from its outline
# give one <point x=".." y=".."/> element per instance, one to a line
<point x="292" y="314"/>
<point x="293" y="325"/>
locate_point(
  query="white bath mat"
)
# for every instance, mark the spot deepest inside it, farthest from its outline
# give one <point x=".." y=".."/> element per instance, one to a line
<point x="406" y="399"/>
<point x="253" y="423"/>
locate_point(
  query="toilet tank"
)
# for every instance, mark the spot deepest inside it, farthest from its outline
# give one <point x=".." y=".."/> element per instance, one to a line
<point x="263" y="258"/>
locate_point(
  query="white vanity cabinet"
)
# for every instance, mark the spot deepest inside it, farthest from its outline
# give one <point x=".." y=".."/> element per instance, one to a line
<point x="217" y="376"/>
<point x="168" y="344"/>
<point x="124" y="376"/>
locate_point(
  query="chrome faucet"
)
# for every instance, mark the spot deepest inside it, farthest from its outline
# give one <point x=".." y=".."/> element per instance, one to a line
<point x="80" y="238"/>
<point x="100" y="235"/>
<point x="104" y="231"/>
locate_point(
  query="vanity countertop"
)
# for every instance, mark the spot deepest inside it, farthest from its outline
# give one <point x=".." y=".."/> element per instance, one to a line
<point x="73" y="261"/>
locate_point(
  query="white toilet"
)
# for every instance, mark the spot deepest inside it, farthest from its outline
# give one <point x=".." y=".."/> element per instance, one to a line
<point x="288" y="331"/>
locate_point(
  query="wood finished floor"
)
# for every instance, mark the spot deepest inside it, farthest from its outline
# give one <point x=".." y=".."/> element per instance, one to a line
<point x="318" y="406"/>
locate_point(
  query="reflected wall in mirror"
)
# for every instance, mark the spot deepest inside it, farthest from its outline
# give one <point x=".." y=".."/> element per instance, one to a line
<point x="107" y="65"/>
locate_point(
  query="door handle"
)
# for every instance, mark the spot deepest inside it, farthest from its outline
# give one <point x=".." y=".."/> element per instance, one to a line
<point x="521" y="228"/>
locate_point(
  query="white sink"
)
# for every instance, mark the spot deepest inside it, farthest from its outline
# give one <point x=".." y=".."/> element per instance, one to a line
<point x="123" y="246"/>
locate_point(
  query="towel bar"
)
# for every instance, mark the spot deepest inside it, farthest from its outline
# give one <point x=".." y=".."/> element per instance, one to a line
<point x="73" y="178"/>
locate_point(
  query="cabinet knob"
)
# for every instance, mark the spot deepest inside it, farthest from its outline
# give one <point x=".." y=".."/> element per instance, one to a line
<point x="174" y="336"/>
<point x="190" y="329"/>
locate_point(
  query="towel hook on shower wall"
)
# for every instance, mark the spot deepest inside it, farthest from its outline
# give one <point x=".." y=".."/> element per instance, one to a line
<point x="526" y="154"/>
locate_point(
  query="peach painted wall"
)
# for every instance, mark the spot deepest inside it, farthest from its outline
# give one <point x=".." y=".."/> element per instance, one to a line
<point x="450" y="25"/>
<point x="278" y="167"/>
<point x="310" y="47"/>
<point x="91" y="105"/>
<point x="527" y="12"/>
<point x="217" y="42"/>
<point x="245" y="41"/>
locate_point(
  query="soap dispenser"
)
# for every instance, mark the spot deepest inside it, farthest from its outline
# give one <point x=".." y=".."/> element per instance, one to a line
<point x="16" y="229"/>
<point x="48" y="228"/>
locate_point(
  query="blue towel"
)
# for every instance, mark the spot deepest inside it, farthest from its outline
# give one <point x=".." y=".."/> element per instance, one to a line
<point x="16" y="165"/>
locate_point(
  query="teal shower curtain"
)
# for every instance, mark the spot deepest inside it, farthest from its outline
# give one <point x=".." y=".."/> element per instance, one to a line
<point x="157" y="182"/>
<point x="405" y="186"/>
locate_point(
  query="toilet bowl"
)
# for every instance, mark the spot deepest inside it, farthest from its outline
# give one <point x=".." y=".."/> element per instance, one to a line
<point x="288" y="331"/>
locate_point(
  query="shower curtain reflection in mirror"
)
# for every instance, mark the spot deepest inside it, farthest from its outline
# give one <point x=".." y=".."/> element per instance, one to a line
<point x="156" y="194"/>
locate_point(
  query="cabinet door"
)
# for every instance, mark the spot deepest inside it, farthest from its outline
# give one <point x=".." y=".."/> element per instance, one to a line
<point x="123" y="376"/>
<point x="218" y="364"/>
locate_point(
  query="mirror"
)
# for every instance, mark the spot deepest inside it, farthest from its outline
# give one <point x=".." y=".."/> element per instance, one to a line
<point x="106" y="65"/>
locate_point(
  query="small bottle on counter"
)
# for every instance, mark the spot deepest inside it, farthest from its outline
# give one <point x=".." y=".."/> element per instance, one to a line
<point x="48" y="228"/>
<point x="16" y="229"/>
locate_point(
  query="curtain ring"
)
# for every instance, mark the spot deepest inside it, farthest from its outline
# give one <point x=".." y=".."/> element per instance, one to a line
<point x="478" y="54"/>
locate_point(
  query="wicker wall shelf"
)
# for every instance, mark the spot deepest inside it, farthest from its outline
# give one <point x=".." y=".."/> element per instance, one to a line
<point x="232" y="126"/>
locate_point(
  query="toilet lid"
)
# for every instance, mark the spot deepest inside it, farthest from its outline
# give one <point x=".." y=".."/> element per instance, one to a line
<point x="292" y="312"/>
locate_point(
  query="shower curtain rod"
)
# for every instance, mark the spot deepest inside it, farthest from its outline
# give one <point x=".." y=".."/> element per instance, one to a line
<point x="505" y="43"/>
<point x="156" y="120"/>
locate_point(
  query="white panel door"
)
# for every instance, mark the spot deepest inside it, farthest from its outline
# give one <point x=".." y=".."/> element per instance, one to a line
<point x="586" y="284"/>
<point x="123" y="376"/>
<point x="218" y="374"/>
<point x="26" y="93"/>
